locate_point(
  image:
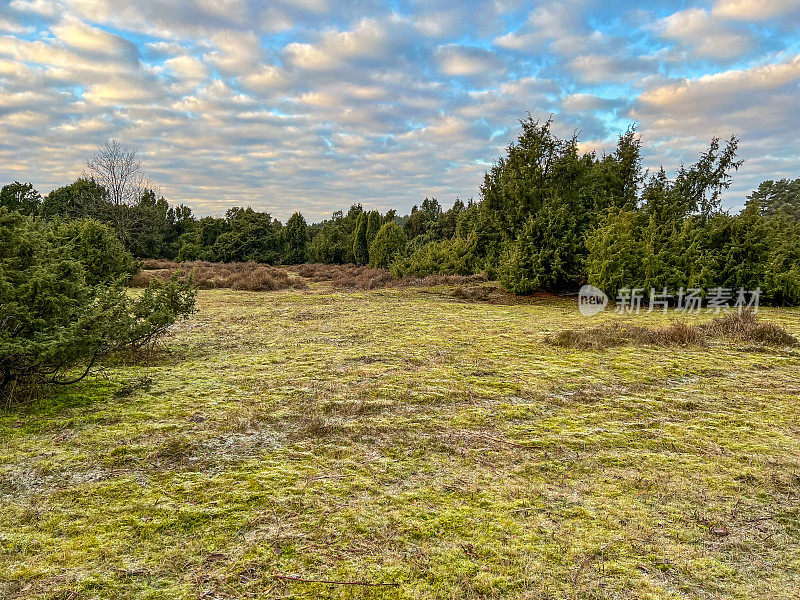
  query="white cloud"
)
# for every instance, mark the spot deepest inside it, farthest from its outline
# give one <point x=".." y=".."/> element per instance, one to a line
<point x="265" y="79"/>
<point x="237" y="52"/>
<point x="271" y="104"/>
<point x="465" y="61"/>
<point x="704" y="35"/>
<point x="598" y="68"/>
<point x="755" y="10"/>
<point x="116" y="91"/>
<point x="83" y="37"/>
<point x="187" y="67"/>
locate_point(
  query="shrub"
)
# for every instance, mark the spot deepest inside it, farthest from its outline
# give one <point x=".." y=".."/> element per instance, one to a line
<point x="97" y="248"/>
<point x="745" y="326"/>
<point x="742" y="326"/>
<point x="389" y="244"/>
<point x="616" y="334"/>
<point x="448" y="257"/>
<point x="250" y="276"/>
<point x="56" y="316"/>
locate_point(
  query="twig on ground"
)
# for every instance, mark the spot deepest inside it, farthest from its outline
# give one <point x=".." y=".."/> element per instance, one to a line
<point x="333" y="581"/>
<point x="501" y="441"/>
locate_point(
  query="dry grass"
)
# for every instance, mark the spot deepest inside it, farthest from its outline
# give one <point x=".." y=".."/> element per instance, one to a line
<point x="618" y="334"/>
<point x="249" y="276"/>
<point x="740" y="327"/>
<point x="356" y="277"/>
<point x="261" y="278"/>
<point x="746" y="327"/>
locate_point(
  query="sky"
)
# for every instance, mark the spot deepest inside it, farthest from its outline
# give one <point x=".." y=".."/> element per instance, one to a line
<point x="314" y="105"/>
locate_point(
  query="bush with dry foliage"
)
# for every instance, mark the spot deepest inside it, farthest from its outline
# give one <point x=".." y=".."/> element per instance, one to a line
<point x="740" y="326"/>
<point x="258" y="277"/>
<point x="745" y="327"/>
<point x="249" y="276"/>
<point x="617" y="334"/>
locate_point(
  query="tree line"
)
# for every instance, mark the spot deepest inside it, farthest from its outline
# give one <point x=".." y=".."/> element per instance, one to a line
<point x="549" y="217"/>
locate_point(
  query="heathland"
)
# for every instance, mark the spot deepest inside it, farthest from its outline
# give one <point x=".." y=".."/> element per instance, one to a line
<point x="443" y="440"/>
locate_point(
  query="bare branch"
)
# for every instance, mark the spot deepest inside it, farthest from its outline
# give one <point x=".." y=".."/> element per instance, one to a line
<point x="115" y="167"/>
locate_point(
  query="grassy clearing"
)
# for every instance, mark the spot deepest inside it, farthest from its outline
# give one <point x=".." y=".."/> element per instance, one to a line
<point x="407" y="436"/>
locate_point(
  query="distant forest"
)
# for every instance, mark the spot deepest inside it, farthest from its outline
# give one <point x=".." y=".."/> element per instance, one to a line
<point x="548" y="218"/>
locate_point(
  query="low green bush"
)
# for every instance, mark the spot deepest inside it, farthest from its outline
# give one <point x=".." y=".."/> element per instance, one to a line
<point x="63" y="304"/>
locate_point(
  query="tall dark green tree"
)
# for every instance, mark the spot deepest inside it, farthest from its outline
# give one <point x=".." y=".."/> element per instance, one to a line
<point x="373" y="226"/>
<point x="82" y="199"/>
<point x="251" y="235"/>
<point x="678" y="236"/>
<point x="360" y="247"/>
<point x="179" y="221"/>
<point x="295" y="240"/>
<point x="545" y="195"/>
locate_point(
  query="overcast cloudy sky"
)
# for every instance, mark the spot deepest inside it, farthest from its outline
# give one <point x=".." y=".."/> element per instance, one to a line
<point x="316" y="104"/>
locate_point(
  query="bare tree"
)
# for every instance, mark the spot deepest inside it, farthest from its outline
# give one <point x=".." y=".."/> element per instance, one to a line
<point x="116" y="168"/>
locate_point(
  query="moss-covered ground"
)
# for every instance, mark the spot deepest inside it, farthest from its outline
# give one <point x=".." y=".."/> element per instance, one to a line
<point x="405" y="437"/>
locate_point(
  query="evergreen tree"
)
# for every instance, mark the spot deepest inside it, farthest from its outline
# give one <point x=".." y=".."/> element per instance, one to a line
<point x="775" y="196"/>
<point x="360" y="248"/>
<point x="251" y="235"/>
<point x="389" y="244"/>
<point x="331" y="244"/>
<point x="295" y="240"/>
<point x="82" y="199"/>
<point x="63" y="305"/>
<point x="446" y="257"/>
<point x="373" y="226"/>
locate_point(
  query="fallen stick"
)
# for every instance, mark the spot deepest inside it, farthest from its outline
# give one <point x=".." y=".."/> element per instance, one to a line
<point x="332" y="581"/>
<point x="500" y="441"/>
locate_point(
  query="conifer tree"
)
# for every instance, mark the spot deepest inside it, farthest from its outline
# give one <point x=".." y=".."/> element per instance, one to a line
<point x="295" y="240"/>
<point x="360" y="247"/>
<point x="388" y="245"/>
<point x="373" y="226"/>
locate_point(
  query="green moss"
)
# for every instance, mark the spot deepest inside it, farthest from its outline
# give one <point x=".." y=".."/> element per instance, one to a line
<point x="402" y="436"/>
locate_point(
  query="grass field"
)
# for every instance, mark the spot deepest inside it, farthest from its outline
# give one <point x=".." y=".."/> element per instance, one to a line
<point x="406" y="437"/>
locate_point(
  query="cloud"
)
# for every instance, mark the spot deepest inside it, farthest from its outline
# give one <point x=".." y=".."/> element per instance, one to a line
<point x="116" y="91"/>
<point x="236" y="51"/>
<point x="722" y="90"/>
<point x="548" y="21"/>
<point x="463" y="61"/>
<point x="369" y="40"/>
<point x="40" y="7"/>
<point x="90" y="39"/>
<point x="187" y="67"/>
<point x="756" y="10"/>
<point x="316" y="105"/>
<point x="761" y="105"/>
<point x="705" y="36"/>
<point x="588" y="103"/>
<point x="265" y="79"/>
<point x="597" y="68"/>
